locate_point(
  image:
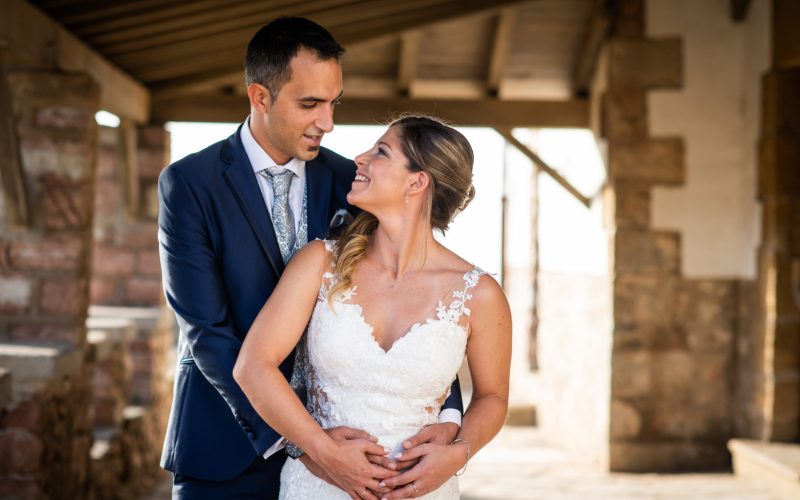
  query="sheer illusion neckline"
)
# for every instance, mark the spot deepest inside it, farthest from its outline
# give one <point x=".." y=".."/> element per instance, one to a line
<point x="433" y="315"/>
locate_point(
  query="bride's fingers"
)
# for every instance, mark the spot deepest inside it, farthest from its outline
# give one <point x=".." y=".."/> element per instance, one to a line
<point x="402" y="479"/>
<point x="411" y="490"/>
<point x="406" y="464"/>
<point x="413" y="454"/>
<point x="374" y="448"/>
<point x="381" y="473"/>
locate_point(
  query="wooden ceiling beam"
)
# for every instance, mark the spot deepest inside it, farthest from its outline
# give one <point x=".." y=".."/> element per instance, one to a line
<point x="408" y="60"/>
<point x="364" y="111"/>
<point x="597" y="27"/>
<point x="208" y="80"/>
<point x="504" y="28"/>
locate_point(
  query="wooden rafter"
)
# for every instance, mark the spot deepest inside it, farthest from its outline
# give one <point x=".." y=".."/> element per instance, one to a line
<point x="12" y="178"/>
<point x="544" y="167"/>
<point x="500" y="48"/>
<point x="364" y="111"/>
<point x="739" y="9"/>
<point x="407" y="63"/>
<point x="597" y="28"/>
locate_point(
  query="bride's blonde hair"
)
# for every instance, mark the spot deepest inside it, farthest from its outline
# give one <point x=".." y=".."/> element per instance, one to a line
<point x="433" y="147"/>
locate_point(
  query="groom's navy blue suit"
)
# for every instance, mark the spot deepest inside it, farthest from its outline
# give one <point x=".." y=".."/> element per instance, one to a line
<point x="221" y="261"/>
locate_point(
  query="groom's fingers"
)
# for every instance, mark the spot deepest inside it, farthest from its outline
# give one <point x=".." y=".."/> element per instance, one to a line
<point x="343" y="432"/>
<point x="407" y="491"/>
<point x="374" y="448"/>
<point x="383" y="461"/>
<point x="403" y="479"/>
<point x="413" y="453"/>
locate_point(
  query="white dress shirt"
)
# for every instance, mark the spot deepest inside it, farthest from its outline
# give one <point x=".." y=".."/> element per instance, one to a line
<point x="260" y="160"/>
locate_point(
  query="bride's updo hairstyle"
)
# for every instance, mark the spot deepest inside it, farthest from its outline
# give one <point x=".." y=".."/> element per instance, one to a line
<point x="440" y="151"/>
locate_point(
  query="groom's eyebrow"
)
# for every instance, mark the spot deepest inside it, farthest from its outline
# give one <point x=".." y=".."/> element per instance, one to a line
<point x="319" y="99"/>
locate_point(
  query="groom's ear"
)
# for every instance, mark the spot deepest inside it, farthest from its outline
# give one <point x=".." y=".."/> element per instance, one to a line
<point x="260" y="98"/>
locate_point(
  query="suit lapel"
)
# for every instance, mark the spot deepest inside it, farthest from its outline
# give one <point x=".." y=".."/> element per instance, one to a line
<point x="239" y="175"/>
<point x="318" y="184"/>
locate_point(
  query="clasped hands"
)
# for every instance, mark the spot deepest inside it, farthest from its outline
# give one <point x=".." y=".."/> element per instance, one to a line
<point x="364" y="469"/>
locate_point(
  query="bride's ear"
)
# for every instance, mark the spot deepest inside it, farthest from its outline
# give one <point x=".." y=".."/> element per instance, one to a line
<point x="420" y="182"/>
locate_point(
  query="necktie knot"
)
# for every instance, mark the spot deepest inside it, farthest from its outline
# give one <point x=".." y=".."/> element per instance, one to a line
<point x="281" y="179"/>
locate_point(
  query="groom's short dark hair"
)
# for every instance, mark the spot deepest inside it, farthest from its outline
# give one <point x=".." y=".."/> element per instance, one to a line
<point x="272" y="48"/>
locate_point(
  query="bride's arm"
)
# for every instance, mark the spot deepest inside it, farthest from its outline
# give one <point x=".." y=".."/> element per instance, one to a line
<point x="489" y="357"/>
<point x="274" y="333"/>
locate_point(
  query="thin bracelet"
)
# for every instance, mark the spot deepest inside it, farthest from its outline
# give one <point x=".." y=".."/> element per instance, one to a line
<point x="466" y="443"/>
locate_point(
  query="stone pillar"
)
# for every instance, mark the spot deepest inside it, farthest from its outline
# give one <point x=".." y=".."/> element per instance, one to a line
<point x="672" y="357"/>
<point x="779" y="253"/>
<point x="44" y="265"/>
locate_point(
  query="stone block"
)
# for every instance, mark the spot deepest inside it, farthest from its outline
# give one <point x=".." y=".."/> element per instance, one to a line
<point x="143" y="291"/>
<point x="64" y="117"/>
<point x="36" y="331"/>
<point x="153" y="137"/>
<point x="774" y="466"/>
<point x="15" y="293"/>
<point x="624" y="116"/>
<point x="632" y="208"/>
<point x="647" y="252"/>
<point x="20" y="452"/>
<point x="107" y="160"/>
<point x="34" y="366"/>
<point x="24" y="414"/>
<point x="58" y="253"/>
<point x="778" y="172"/>
<point x="645" y="303"/>
<point x="119" y="330"/>
<point x="645" y="63"/>
<point x="145" y="318"/>
<point x="108" y="199"/>
<point x="653" y="161"/>
<point x="63" y="297"/>
<point x="631" y="374"/>
<point x="112" y="261"/>
<point x="65" y="203"/>
<point x="630" y="19"/>
<point x="143" y="235"/>
<point x="787" y="344"/>
<point x="666" y="456"/>
<point x="151" y="162"/>
<point x="707" y="310"/>
<point x="625" y="420"/>
<point x="70" y="87"/>
<point x="148" y="263"/>
<point x="68" y="158"/>
<point x="103" y="291"/>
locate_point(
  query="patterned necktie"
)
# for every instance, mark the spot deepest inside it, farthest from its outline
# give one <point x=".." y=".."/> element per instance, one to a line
<point x="282" y="217"/>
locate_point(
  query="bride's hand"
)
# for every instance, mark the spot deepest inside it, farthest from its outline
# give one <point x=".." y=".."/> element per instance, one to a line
<point x="437" y="463"/>
<point x="346" y="464"/>
<point x="441" y="433"/>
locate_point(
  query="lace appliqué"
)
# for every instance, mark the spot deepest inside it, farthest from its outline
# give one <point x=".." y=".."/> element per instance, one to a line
<point x="458" y="306"/>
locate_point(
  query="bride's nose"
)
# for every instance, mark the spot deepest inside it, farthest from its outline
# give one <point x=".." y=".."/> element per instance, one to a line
<point x="361" y="160"/>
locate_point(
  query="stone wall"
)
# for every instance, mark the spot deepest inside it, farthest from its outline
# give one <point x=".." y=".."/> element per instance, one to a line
<point x="674" y="355"/>
<point x="126" y="268"/>
<point x="45" y="429"/>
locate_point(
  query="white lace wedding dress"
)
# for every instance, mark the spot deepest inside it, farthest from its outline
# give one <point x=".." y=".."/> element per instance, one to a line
<point x="391" y="394"/>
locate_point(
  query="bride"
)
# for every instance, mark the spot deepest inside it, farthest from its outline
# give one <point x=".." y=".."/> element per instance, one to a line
<point x="392" y="315"/>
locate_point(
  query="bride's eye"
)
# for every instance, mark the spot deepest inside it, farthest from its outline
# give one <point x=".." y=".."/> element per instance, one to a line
<point x="381" y="151"/>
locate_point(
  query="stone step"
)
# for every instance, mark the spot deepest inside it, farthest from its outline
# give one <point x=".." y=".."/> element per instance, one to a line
<point x="145" y="318"/>
<point x="118" y="330"/>
<point x="32" y="367"/>
<point x="774" y="466"/>
<point x="5" y="388"/>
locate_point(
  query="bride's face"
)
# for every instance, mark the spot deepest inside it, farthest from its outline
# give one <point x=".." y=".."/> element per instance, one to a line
<point x="382" y="175"/>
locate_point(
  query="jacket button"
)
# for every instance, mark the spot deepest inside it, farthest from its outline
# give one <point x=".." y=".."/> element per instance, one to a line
<point x="251" y="435"/>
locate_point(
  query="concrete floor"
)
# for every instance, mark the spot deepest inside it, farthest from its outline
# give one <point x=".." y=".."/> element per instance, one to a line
<point x="519" y="464"/>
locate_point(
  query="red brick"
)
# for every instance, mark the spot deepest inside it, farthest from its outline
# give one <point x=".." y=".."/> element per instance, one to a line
<point x="142" y="235"/>
<point x="110" y="261"/>
<point x="108" y="198"/>
<point x="62" y="297"/>
<point x="155" y="137"/>
<point x="25" y="415"/>
<point x="20" y="452"/>
<point x="148" y="263"/>
<point x="45" y="333"/>
<point x="18" y="487"/>
<point x="60" y="253"/>
<point x="15" y="293"/>
<point x="64" y="117"/>
<point x="151" y="162"/>
<point x="143" y="292"/>
<point x="65" y="203"/>
<point x="62" y="156"/>
<point x="103" y="291"/>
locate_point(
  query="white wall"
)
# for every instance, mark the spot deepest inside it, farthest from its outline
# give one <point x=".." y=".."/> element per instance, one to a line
<point x="717" y="113"/>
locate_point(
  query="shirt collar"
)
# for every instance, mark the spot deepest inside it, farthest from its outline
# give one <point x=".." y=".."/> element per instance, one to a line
<point x="259" y="158"/>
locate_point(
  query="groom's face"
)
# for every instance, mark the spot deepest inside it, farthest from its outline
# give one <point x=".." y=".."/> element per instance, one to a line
<point x="303" y="109"/>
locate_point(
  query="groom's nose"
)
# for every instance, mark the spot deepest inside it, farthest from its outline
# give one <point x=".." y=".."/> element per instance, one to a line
<point x="324" y="119"/>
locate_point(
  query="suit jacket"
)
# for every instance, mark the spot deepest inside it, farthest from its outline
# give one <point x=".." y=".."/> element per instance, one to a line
<point x="220" y="262"/>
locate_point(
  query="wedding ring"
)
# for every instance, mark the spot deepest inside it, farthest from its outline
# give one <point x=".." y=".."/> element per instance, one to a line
<point x="415" y="488"/>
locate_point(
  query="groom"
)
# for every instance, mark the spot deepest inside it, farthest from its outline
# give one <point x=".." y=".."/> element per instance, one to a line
<point x="230" y="217"/>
